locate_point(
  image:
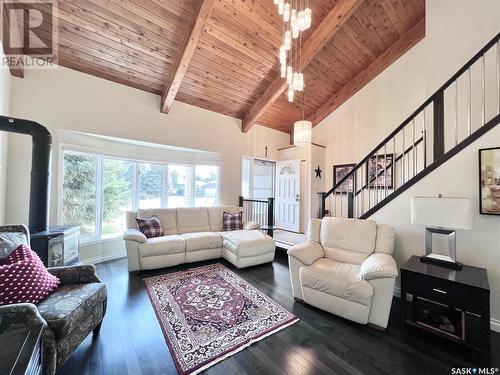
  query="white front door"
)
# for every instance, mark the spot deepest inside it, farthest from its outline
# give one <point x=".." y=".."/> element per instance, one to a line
<point x="288" y="195"/>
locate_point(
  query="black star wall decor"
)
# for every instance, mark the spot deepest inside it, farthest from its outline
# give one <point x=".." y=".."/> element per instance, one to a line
<point x="318" y="172"/>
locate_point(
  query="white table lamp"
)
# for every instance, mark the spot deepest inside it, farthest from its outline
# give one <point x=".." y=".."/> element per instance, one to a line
<point x="441" y="216"/>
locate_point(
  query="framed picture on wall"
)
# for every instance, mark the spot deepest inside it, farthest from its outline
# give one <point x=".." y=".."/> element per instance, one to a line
<point x="489" y="181"/>
<point x="339" y="172"/>
<point x="375" y="174"/>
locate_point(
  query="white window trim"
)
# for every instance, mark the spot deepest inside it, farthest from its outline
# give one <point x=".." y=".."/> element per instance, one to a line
<point x="64" y="147"/>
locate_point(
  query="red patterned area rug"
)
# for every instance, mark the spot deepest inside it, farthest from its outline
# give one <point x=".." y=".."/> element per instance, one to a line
<point x="209" y="313"/>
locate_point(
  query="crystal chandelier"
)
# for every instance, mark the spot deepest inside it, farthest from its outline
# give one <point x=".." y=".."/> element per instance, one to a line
<point x="297" y="17"/>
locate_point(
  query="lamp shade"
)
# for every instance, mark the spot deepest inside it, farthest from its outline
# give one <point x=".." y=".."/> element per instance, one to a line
<point x="302" y="132"/>
<point x="450" y="213"/>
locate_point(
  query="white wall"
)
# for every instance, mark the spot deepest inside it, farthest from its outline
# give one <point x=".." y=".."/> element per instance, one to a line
<point x="318" y="154"/>
<point x="458" y="177"/>
<point x="70" y="100"/>
<point x="359" y="124"/>
<point x="4" y="111"/>
<point x="455" y="31"/>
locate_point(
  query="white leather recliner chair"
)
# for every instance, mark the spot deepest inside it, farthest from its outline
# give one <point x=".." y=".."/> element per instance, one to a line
<point x="346" y="268"/>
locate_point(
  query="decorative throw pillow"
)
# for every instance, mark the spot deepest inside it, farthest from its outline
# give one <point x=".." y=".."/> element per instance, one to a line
<point x="24" y="278"/>
<point x="150" y="227"/>
<point x="232" y="222"/>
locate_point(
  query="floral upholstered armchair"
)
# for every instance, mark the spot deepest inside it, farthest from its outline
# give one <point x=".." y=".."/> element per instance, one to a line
<point x="69" y="314"/>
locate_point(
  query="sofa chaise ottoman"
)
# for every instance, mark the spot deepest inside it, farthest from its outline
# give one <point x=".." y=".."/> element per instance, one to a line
<point x="194" y="234"/>
<point x="245" y="248"/>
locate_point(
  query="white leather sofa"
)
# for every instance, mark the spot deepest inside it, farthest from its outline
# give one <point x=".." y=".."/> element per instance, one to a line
<point x="194" y="234"/>
<point x="346" y="268"/>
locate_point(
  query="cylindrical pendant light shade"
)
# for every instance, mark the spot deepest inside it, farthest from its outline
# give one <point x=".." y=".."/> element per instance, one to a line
<point x="302" y="132"/>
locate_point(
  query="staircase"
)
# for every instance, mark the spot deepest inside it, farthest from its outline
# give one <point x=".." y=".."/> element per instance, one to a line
<point x="459" y="112"/>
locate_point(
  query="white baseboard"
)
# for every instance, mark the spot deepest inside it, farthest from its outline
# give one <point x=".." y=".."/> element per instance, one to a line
<point x="104" y="258"/>
<point x="494" y="323"/>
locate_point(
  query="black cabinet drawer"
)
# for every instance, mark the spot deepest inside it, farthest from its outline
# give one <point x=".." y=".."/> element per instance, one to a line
<point x="449" y="293"/>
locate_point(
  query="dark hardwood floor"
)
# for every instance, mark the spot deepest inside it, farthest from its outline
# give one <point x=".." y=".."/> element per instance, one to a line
<point x="131" y="341"/>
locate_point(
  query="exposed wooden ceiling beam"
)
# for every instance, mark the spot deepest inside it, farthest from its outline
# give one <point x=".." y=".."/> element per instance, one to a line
<point x="317" y="40"/>
<point x="404" y="43"/>
<point x="198" y="20"/>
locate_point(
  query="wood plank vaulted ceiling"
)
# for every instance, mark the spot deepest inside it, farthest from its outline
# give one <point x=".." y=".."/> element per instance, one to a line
<point x="222" y="55"/>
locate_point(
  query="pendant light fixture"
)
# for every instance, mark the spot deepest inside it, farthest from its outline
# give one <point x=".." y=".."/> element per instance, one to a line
<point x="302" y="130"/>
<point x="297" y="17"/>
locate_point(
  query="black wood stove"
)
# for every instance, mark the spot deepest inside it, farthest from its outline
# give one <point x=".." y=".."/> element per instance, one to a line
<point x="56" y="246"/>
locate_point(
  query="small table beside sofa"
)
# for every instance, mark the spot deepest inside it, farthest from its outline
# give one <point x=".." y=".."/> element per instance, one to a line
<point x="194" y="234"/>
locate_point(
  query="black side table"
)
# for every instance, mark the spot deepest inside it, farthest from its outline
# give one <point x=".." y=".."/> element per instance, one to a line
<point x="454" y="304"/>
<point x="21" y="352"/>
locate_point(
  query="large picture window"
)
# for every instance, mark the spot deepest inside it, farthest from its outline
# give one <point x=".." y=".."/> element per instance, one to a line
<point x="118" y="195"/>
<point x="206" y="184"/>
<point x="180" y="192"/>
<point x="80" y="192"/>
<point x="150" y="185"/>
<point x="97" y="190"/>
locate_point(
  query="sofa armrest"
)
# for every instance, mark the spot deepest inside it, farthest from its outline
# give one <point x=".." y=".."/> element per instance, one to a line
<point x="16" y="228"/>
<point x="76" y="274"/>
<point x="251" y="225"/>
<point x="19" y="315"/>
<point x="134" y="235"/>
<point x="307" y="252"/>
<point x="378" y="265"/>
